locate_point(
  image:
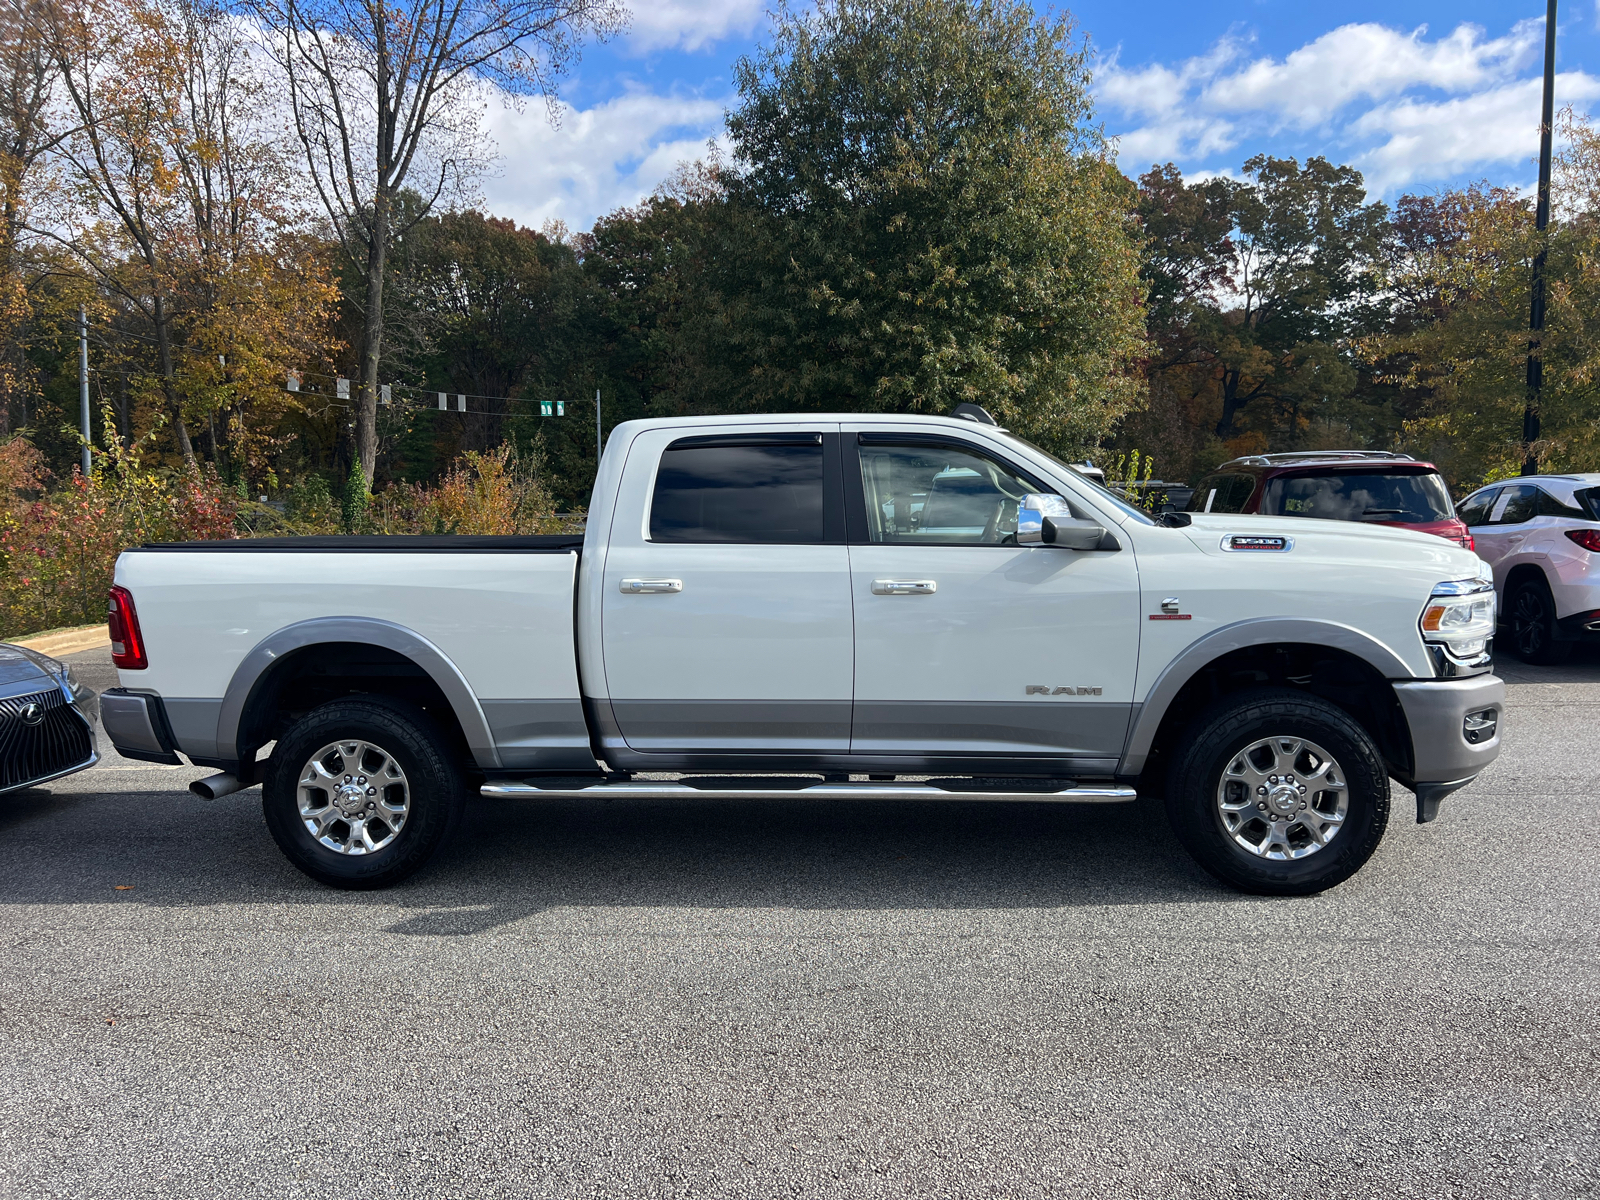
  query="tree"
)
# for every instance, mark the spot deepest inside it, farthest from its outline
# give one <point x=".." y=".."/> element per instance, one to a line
<point x="934" y="220"/>
<point x="1461" y="345"/>
<point x="27" y="135"/>
<point x="184" y="213"/>
<point x="1260" y="290"/>
<point x="382" y="93"/>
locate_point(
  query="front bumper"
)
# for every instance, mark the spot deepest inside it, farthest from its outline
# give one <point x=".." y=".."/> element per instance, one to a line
<point x="1455" y="729"/>
<point x="45" y="734"/>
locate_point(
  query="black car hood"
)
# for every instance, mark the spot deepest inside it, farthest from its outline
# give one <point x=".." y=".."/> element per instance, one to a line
<point x="23" y="671"/>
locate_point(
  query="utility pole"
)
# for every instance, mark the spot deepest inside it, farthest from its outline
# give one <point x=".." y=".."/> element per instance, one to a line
<point x="1530" y="412"/>
<point x="597" y="427"/>
<point x="83" y="382"/>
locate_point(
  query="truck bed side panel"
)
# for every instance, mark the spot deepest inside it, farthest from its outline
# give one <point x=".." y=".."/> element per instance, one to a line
<point x="503" y="620"/>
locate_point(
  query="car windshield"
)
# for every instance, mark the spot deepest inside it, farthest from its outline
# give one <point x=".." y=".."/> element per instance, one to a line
<point x="1105" y="493"/>
<point x="1410" y="497"/>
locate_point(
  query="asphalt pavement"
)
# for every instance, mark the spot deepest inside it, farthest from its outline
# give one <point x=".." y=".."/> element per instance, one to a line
<point x="723" y="999"/>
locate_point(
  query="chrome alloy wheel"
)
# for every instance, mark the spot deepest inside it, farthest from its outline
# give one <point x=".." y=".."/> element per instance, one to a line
<point x="1283" y="798"/>
<point x="353" y="797"/>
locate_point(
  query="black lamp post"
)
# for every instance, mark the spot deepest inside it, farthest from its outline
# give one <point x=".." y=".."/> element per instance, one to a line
<point x="1530" y="412"/>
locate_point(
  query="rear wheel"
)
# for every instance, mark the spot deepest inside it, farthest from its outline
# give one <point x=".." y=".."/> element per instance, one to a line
<point x="1531" y="611"/>
<point x="1278" y="792"/>
<point x="361" y="793"/>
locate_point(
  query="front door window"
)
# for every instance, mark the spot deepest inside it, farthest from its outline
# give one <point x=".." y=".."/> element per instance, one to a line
<point x="939" y="495"/>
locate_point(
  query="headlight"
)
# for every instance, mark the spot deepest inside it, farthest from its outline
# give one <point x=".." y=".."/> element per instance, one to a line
<point x="1460" y="618"/>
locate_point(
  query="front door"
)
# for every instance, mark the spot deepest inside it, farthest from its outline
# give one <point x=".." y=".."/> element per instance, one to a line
<point x="968" y="644"/>
<point x="726" y="618"/>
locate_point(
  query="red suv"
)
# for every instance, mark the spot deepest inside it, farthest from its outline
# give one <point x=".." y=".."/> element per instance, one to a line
<point x="1335" y="485"/>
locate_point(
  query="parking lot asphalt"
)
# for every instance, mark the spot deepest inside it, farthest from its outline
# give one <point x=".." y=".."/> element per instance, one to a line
<point x="723" y="999"/>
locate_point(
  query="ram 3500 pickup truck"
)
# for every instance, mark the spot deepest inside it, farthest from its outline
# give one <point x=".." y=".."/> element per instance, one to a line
<point x="830" y="607"/>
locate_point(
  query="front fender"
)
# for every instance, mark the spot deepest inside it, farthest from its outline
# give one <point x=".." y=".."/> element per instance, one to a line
<point x="1257" y="631"/>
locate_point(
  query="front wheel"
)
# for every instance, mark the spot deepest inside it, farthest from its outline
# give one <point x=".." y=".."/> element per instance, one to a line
<point x="361" y="793"/>
<point x="1278" y="792"/>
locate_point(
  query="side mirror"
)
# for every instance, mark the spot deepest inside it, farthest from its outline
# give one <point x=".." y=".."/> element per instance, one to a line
<point x="1045" y="519"/>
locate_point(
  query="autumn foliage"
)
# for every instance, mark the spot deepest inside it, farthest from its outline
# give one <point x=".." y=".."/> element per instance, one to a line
<point x="59" y="547"/>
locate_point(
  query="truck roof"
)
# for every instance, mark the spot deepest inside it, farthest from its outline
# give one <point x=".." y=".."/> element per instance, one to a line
<point x="736" y="419"/>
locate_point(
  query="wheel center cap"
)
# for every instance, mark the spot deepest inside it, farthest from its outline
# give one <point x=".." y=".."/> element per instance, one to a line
<point x="1284" y="799"/>
<point x="351" y="799"/>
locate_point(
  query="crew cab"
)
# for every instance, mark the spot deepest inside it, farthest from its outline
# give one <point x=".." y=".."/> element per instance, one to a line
<point x="829" y="607"/>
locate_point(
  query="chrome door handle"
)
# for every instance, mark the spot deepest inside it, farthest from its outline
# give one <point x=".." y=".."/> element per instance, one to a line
<point x="639" y="587"/>
<point x="904" y="587"/>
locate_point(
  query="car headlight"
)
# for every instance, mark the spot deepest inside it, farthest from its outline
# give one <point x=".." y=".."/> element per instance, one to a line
<point x="1459" y="618"/>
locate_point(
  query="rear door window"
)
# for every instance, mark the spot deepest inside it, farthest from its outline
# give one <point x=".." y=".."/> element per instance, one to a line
<point x="1222" y="493"/>
<point x="768" y="492"/>
<point x="1402" y="497"/>
<point x="1515" y="505"/>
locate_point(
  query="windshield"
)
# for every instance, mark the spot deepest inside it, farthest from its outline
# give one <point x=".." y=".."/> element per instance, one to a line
<point x="1402" y="498"/>
<point x="1105" y="493"/>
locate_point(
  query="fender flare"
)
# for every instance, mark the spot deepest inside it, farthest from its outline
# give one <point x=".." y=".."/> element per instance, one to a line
<point x="1256" y="631"/>
<point x="362" y="630"/>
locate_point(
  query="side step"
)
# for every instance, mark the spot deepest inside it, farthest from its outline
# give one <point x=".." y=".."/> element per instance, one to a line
<point x="741" y="789"/>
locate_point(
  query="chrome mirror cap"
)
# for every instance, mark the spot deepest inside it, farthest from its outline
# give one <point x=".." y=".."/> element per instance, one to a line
<point x="1044" y="519"/>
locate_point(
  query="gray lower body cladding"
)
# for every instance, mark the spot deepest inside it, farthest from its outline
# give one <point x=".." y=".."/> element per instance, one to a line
<point x="1436" y="711"/>
<point x="1044" y="738"/>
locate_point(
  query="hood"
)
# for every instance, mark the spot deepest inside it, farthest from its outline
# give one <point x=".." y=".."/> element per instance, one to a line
<point x="1355" y="542"/>
<point x="23" y="670"/>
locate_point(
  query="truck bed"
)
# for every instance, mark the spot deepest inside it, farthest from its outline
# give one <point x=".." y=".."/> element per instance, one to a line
<point x="541" y="543"/>
<point x="490" y="618"/>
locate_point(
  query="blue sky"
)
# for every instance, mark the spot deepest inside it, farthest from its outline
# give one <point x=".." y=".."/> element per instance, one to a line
<point x="1418" y="94"/>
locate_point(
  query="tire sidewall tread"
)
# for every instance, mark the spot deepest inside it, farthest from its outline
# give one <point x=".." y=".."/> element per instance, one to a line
<point x="438" y="790"/>
<point x="1216" y="736"/>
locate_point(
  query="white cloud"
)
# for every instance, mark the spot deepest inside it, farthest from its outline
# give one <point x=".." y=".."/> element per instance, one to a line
<point x="599" y="158"/>
<point x="1371" y="62"/>
<point x="1402" y="106"/>
<point x="690" y="24"/>
<point x="1499" y="126"/>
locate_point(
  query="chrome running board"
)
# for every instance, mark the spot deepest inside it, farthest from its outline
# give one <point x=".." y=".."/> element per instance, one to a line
<point x="741" y="789"/>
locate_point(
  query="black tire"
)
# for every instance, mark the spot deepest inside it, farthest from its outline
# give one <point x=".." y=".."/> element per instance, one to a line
<point x="433" y="791"/>
<point x="1531" y="614"/>
<point x="1215" y="743"/>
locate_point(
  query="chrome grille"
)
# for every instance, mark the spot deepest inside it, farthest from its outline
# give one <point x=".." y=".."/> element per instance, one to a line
<point x="60" y="742"/>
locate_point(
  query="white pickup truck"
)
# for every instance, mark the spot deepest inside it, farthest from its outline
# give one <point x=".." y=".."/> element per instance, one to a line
<point x="833" y="607"/>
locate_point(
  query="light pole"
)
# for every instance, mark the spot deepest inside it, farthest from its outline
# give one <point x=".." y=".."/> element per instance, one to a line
<point x="1530" y="411"/>
<point x="83" y="382"/>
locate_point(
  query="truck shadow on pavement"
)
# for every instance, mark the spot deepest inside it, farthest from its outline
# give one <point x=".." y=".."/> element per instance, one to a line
<point x="513" y="859"/>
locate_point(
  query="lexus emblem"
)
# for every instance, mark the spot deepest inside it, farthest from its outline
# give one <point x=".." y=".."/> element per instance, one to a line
<point x="32" y="713"/>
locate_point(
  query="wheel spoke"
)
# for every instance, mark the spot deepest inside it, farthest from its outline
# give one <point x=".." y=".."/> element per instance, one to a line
<point x="335" y="789"/>
<point x="1274" y="796"/>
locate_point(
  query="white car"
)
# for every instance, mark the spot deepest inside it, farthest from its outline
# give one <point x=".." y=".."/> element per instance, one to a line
<point x="819" y="606"/>
<point x="1541" y="534"/>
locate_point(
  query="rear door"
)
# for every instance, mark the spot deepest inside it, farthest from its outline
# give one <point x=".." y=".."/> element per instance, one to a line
<point x="726" y="613"/>
<point x="1509" y="514"/>
<point x="968" y="644"/>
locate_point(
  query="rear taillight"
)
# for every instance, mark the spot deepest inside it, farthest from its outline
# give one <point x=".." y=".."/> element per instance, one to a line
<point x="1589" y="539"/>
<point x="127" y="644"/>
<point x="1467" y="542"/>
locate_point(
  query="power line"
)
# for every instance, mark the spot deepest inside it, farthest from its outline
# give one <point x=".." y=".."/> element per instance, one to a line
<point x="446" y="400"/>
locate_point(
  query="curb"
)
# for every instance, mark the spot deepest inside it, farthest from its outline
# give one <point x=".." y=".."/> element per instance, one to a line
<point x="67" y="641"/>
